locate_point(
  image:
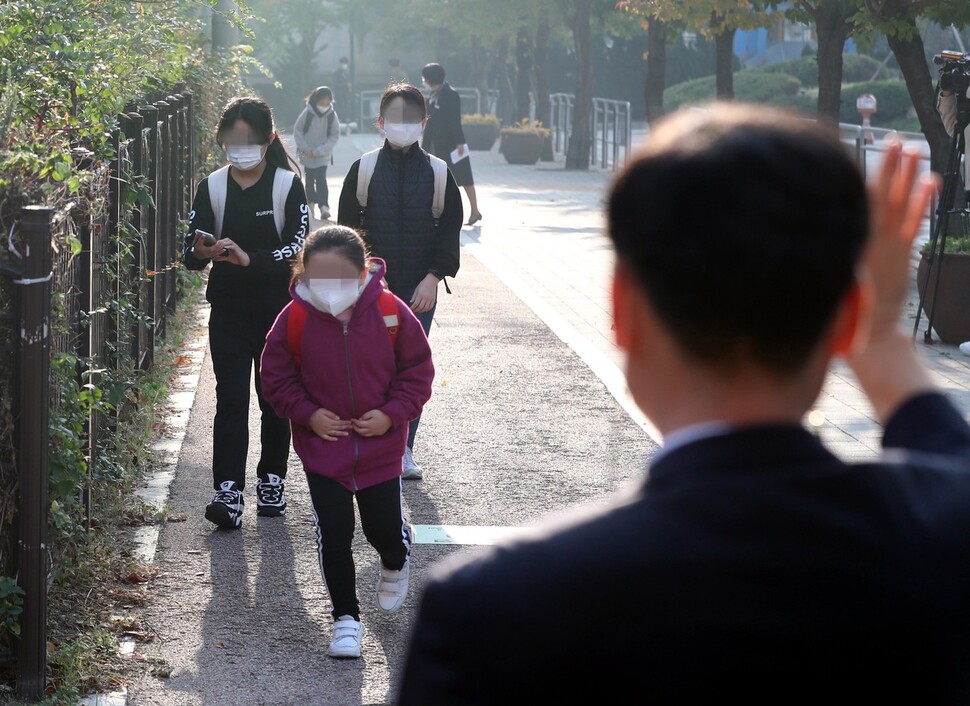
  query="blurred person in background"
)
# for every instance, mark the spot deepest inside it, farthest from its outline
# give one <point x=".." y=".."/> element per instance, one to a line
<point x="316" y="133"/>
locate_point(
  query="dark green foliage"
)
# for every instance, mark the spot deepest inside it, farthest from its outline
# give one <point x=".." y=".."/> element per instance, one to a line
<point x="855" y="68"/>
<point x="749" y="86"/>
<point x="892" y="99"/>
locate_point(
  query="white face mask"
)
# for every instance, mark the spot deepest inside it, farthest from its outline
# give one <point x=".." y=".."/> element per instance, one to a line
<point x="333" y="296"/>
<point x="402" y="134"/>
<point x="245" y="157"/>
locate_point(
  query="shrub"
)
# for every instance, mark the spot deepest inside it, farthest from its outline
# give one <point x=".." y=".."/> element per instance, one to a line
<point x="855" y="68"/>
<point x="481" y="119"/>
<point x="527" y="127"/>
<point x="749" y="86"/>
<point x="892" y="98"/>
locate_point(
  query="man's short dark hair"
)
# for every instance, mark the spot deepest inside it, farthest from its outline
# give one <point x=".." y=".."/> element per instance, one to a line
<point x="434" y="74"/>
<point x="744" y="226"/>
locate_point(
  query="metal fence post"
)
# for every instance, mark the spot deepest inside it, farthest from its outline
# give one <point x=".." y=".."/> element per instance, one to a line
<point x="189" y="150"/>
<point x="150" y="157"/>
<point x="163" y="195"/>
<point x="32" y="452"/>
<point x="132" y="124"/>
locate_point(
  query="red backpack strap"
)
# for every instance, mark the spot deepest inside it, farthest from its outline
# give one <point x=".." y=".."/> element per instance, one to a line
<point x="295" y="319"/>
<point x="388" y="306"/>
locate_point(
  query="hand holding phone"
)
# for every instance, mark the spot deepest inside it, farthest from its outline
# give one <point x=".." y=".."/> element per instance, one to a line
<point x="207" y="239"/>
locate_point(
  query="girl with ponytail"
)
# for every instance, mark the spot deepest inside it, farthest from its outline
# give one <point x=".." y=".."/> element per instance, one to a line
<point x="248" y="221"/>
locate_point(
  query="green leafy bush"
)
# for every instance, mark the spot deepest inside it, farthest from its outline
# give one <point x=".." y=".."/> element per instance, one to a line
<point x="892" y="96"/>
<point x="855" y="68"/>
<point x="66" y="71"/>
<point x="749" y="86"/>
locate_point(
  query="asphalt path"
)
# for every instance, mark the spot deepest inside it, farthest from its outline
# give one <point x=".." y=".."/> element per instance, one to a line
<point x="518" y="428"/>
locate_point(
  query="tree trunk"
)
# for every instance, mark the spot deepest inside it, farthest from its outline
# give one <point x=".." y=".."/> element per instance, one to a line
<point x="833" y="22"/>
<point x="911" y="58"/>
<point x="523" y="72"/>
<point x="578" y="149"/>
<point x="224" y="35"/>
<point x="656" y="68"/>
<point x="724" y="63"/>
<point x="478" y="75"/>
<point x="506" y="91"/>
<point x="542" y="69"/>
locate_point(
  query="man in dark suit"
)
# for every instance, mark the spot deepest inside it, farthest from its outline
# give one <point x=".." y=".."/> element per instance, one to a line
<point x="752" y="565"/>
<point x="443" y="133"/>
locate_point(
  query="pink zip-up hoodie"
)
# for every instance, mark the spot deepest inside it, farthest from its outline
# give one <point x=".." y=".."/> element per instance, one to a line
<point x="349" y="368"/>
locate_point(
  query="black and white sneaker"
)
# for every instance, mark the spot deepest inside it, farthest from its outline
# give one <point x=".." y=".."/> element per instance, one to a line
<point x="226" y="508"/>
<point x="270" y="500"/>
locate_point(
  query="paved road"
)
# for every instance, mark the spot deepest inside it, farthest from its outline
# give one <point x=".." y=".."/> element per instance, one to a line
<point x="518" y="427"/>
<point x="529" y="415"/>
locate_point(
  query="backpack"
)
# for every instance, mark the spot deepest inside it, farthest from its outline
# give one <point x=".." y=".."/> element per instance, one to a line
<point x="296" y="319"/>
<point x="368" y="162"/>
<point x="219" y="185"/>
<point x="310" y="114"/>
<point x="331" y="116"/>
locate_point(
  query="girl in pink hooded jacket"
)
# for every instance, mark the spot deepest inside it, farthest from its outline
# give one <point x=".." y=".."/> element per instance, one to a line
<point x="349" y="376"/>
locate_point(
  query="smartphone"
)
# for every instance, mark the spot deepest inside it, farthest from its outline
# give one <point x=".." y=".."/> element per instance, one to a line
<point x="208" y="239"/>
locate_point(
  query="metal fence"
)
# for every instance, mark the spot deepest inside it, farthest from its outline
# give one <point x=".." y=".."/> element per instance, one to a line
<point x="96" y="284"/>
<point x="611" y="129"/>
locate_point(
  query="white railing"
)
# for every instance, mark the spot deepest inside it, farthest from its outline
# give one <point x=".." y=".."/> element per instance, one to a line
<point x="611" y="129"/>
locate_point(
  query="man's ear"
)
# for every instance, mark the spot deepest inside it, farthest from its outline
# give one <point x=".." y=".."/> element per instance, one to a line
<point x="851" y="324"/>
<point x="624" y="288"/>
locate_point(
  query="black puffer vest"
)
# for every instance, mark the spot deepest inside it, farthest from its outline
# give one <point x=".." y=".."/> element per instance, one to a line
<point x="398" y="225"/>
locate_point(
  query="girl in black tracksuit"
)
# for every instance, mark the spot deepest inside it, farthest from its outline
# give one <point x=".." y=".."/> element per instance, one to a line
<point x="247" y="287"/>
<point x="398" y="225"/>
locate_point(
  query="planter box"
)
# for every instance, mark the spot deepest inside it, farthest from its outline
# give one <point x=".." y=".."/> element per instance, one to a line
<point x="521" y="148"/>
<point x="480" y="138"/>
<point x="951" y="315"/>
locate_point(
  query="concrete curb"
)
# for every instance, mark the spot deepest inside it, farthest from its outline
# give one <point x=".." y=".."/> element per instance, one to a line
<point x="155" y="490"/>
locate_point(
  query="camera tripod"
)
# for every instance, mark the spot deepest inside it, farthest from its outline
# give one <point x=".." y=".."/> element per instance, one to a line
<point x="944" y="210"/>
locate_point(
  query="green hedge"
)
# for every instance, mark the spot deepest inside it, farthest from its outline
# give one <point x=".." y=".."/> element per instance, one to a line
<point x="775" y="88"/>
<point x="855" y="68"/>
<point x="892" y="99"/>
<point x="749" y="86"/>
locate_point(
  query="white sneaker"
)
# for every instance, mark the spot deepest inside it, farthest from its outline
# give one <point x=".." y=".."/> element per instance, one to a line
<point x="324" y="213"/>
<point x="392" y="587"/>
<point x="965" y="347"/>
<point x="347" y="636"/>
<point x="410" y="470"/>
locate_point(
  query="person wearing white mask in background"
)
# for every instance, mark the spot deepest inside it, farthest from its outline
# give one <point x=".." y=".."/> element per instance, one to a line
<point x="398" y="224"/>
<point x="349" y="364"/>
<point x="249" y="220"/>
<point x="316" y="133"/>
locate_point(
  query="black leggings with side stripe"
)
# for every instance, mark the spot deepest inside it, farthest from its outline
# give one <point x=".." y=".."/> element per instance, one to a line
<point x="381" y="518"/>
